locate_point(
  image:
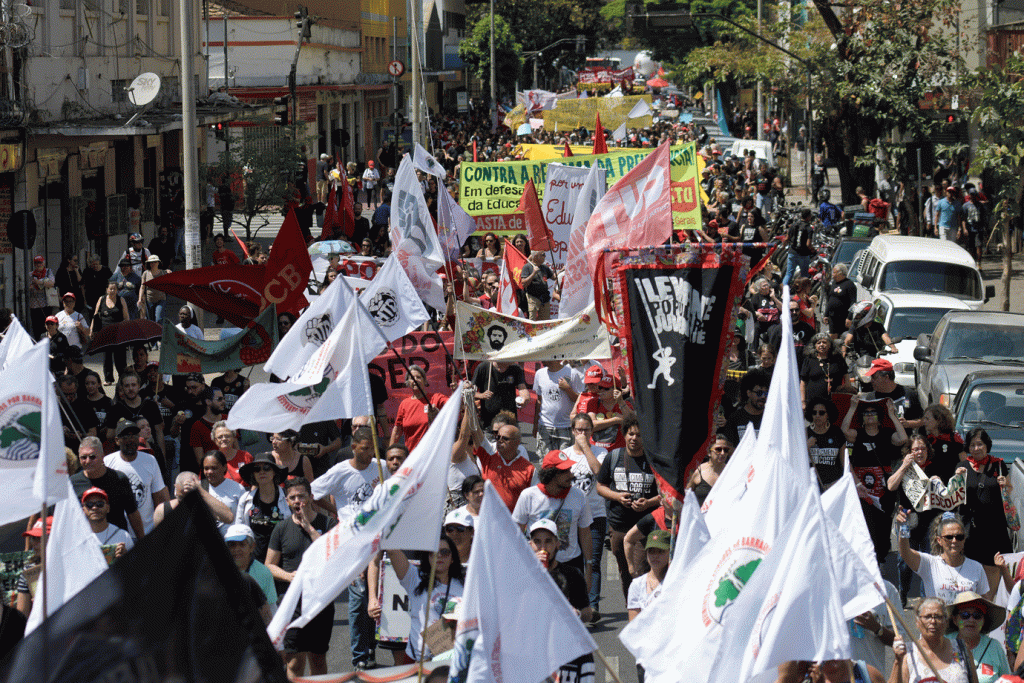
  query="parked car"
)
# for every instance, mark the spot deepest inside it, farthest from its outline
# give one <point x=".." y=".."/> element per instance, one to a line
<point x="894" y="263"/>
<point x="848" y="249"/>
<point x="965" y="342"/>
<point x="762" y="150"/>
<point x="993" y="400"/>
<point x="906" y="317"/>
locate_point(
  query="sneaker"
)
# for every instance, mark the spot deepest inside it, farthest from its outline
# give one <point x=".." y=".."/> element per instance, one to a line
<point x="361" y="666"/>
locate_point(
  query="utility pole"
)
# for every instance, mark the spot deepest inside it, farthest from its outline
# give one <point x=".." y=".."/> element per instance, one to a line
<point x="190" y="160"/>
<point x="494" y="83"/>
<point x="760" y="95"/>
<point x="417" y="95"/>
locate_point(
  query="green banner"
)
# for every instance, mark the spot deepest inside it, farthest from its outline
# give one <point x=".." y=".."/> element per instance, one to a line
<point x="491" y="188"/>
<point x="181" y="354"/>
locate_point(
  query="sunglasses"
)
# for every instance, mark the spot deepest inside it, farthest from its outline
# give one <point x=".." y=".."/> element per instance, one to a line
<point x="444" y="552"/>
<point x="760" y="392"/>
<point x="870" y="413"/>
<point x="95" y="504"/>
<point x="954" y="537"/>
<point x="262" y="468"/>
<point x="454" y="528"/>
<point x="971" y="615"/>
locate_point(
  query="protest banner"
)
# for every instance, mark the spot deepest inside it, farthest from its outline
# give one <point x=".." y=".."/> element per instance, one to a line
<point x="365" y="267"/>
<point x="495" y="187"/>
<point x="501" y="224"/>
<point x="489" y="335"/>
<point x="394" y="606"/>
<point x="603" y="75"/>
<point x="570" y="114"/>
<point x="181" y="354"/>
<point x="535" y="152"/>
<point x="932" y="494"/>
<point x="561" y="193"/>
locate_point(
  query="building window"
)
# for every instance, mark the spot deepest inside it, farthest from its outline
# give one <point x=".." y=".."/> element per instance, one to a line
<point x="142" y="7"/>
<point x="124" y="6"/>
<point x="118" y="90"/>
<point x="165" y="8"/>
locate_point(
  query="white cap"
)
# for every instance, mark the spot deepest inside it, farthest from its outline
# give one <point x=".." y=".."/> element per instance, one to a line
<point x="546" y="525"/>
<point x="460" y="517"/>
<point x="238" y="532"/>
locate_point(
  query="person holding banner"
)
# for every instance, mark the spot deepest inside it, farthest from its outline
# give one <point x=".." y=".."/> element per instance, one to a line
<point x="946" y="572"/>
<point x="416" y="412"/>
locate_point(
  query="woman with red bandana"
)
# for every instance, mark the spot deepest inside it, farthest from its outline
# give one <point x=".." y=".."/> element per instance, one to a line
<point x="987" y="517"/>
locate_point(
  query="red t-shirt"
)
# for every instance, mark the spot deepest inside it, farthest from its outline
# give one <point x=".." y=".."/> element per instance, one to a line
<point x="241" y="458"/>
<point x="609" y="437"/>
<point x="509" y="479"/>
<point x="225" y="258"/>
<point x="412" y="418"/>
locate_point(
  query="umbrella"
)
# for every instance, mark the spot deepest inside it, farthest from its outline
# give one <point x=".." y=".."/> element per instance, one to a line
<point x="331" y="247"/>
<point x="658" y="83"/>
<point x="128" y="332"/>
<point x="524" y="129"/>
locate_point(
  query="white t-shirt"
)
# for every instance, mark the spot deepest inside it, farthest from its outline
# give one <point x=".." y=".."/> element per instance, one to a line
<point x="942" y="581"/>
<point x="113" y="535"/>
<point x="193" y="331"/>
<point x="228" y="492"/>
<point x="640" y="596"/>
<point x="585" y="480"/>
<point x="570" y="514"/>
<point x="458" y="471"/>
<point x="418" y="603"/>
<point x="555" y="404"/>
<point x="66" y="326"/>
<point x="145" y="478"/>
<point x="349" y="486"/>
<point x="370" y="178"/>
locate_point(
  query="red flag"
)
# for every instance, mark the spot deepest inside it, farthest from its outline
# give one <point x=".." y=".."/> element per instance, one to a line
<point x="232" y="292"/>
<point x="474" y="151"/>
<point x="288" y="269"/>
<point x="600" y="146"/>
<point x="540" y="236"/>
<point x="513" y="261"/>
<point x="330" y="217"/>
<point x="507" y="302"/>
<point x="348" y="210"/>
<point x="567" y="152"/>
<point x="238" y="239"/>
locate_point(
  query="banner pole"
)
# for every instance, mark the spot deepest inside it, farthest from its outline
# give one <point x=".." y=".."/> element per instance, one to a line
<point x="376" y="446"/>
<point x="607" y="667"/>
<point x="895" y="616"/>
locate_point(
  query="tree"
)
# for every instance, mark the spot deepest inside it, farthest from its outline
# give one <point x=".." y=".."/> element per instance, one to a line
<point x="258" y="165"/>
<point x="998" y="99"/>
<point x="475" y="51"/>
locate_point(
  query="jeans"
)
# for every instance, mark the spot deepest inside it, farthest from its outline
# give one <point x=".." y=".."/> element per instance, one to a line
<point x="597" y="531"/>
<point x="361" y="626"/>
<point x="553" y="438"/>
<point x="155" y="312"/>
<point x="794" y="260"/>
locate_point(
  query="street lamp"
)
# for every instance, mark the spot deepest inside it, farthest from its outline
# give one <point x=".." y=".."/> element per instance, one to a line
<point x="581" y="45"/>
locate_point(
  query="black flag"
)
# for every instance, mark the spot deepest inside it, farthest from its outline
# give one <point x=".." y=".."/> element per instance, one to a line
<point x="678" y="317"/>
<point x="172" y="609"/>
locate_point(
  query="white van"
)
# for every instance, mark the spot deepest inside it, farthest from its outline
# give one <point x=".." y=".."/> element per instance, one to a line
<point x="762" y="150"/>
<point x="893" y="263"/>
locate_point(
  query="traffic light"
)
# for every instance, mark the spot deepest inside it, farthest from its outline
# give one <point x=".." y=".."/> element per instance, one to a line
<point x="281" y="116"/>
<point x="219" y="131"/>
<point x="304" y="22"/>
<point x="950" y="118"/>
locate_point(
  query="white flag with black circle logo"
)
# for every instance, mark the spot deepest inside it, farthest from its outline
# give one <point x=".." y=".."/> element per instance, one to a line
<point x="392" y="302"/>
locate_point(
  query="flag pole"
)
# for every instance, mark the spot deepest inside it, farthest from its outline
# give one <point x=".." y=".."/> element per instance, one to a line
<point x="376" y="446"/>
<point x="895" y="616"/>
<point x="607" y="667"/>
<point x="423" y="634"/>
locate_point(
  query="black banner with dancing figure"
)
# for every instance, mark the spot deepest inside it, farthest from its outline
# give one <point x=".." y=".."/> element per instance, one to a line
<point x="679" y="307"/>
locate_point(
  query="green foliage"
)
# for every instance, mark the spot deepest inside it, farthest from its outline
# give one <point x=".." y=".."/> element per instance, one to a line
<point x="258" y="163"/>
<point x="475" y="51"/>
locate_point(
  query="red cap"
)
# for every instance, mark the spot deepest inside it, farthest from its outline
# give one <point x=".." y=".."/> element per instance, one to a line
<point x="558" y="460"/>
<point x="595" y="375"/>
<point x="95" y="491"/>
<point x="878" y="364"/>
<point x="71" y="294"/>
<point x="37" y="528"/>
<point x="370" y="164"/>
<point x="39" y="259"/>
<point x="52" y="319"/>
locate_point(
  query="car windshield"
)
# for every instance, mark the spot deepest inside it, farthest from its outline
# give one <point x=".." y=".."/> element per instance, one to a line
<point x="995" y="404"/>
<point x="846" y="251"/>
<point x="993" y="344"/>
<point x="912" y="322"/>
<point x="931" y="277"/>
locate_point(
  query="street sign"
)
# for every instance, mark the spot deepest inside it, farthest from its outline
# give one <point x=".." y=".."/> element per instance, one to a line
<point x="396" y="68"/>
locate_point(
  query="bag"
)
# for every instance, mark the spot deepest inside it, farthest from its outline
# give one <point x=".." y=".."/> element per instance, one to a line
<point x="52" y="297"/>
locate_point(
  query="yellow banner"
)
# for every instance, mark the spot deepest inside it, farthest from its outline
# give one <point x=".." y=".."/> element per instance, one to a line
<point x="495" y="188"/>
<point x="570" y="114"/>
<point x="516" y="117"/>
<point x="532" y="151"/>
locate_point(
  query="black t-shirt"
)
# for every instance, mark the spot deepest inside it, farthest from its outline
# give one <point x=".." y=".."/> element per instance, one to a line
<point x="867" y="339"/>
<point x="800" y="235"/>
<point x="822" y="377"/>
<point x="503" y="384"/>
<point x="572" y="584"/>
<point x="622" y="472"/>
<point x="146" y="409"/>
<point x="841" y="296"/>
<point x="825" y="453"/>
<point x="119" y="494"/>
<point x="232" y="390"/>
<point x="100" y="407"/>
<point x="538" y="287"/>
<point x="738" y="422"/>
<point x="321" y="434"/>
<point x="291" y="540"/>
<point x="907" y="405"/>
<point x="871" y="459"/>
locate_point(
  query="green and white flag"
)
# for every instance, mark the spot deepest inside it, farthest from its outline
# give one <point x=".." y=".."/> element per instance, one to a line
<point x="181" y="354"/>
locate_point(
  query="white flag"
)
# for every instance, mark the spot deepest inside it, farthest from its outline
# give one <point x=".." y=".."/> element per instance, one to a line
<point x="392" y="302"/>
<point x="334" y="383"/>
<point x="32" y="464"/>
<point x="337" y="557"/>
<point x="860" y="582"/>
<point x="414" y="237"/>
<point x="425" y="162"/>
<point x="693" y="532"/>
<point x="790" y="608"/>
<point x="454" y="225"/>
<point x="641" y="108"/>
<point x="311" y="330"/>
<point x="16" y="341"/>
<point x="516" y="625"/>
<point x="73" y="558"/>
<point x="577" y="282"/>
<point x="619" y="133"/>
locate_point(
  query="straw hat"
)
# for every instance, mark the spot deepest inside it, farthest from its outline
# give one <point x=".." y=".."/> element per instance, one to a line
<point x="994" y="614"/>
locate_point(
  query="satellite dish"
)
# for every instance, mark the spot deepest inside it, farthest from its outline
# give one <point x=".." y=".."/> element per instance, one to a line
<point x="144" y="89"/>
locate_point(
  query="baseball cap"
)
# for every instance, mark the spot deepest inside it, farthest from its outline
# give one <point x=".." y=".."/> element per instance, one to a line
<point x="238" y="532"/>
<point x="71" y="294"/>
<point x="659" y="539"/>
<point x="126" y="426"/>
<point x="52" y="319"/>
<point x="595" y="375"/>
<point x="370" y="164"/>
<point x="37" y="528"/>
<point x="95" y="491"/>
<point x="325" y="156"/>
<point x="39" y="259"/>
<point x="124" y="263"/>
<point x="557" y="460"/>
<point x="878" y="364"/>
<point x="135" y="237"/>
<point x="460" y="517"/>
<point x="546" y="525"/>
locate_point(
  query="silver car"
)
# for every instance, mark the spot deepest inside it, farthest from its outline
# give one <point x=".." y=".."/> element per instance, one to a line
<point x="994" y="400"/>
<point x="965" y="342"/>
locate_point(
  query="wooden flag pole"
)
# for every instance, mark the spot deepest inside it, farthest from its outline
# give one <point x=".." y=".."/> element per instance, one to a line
<point x="376" y="447"/>
<point x="607" y="667"/>
<point x="895" y="616"/>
